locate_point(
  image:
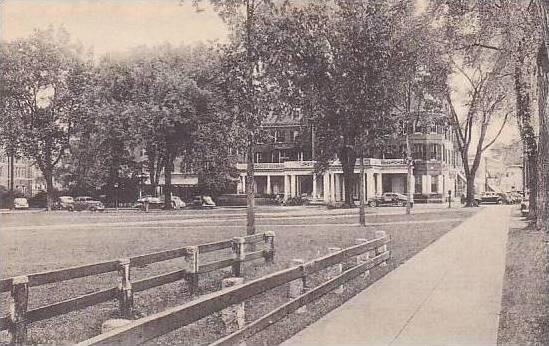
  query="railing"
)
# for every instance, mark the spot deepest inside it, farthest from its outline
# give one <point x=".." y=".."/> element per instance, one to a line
<point x="147" y="328"/>
<point x="18" y="318"/>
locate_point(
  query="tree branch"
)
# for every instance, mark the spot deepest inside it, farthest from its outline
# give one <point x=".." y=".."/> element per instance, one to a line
<point x="498" y="134"/>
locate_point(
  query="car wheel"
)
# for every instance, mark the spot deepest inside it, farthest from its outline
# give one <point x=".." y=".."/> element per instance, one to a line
<point x="372" y="204"/>
<point x="402" y="204"/>
<point x="70" y="209"/>
<point x="93" y="209"/>
<point x="500" y="201"/>
<point x="476" y="203"/>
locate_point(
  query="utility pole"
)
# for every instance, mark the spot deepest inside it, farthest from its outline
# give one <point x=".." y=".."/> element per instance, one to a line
<point x="362" y="191"/>
<point x="409" y="163"/>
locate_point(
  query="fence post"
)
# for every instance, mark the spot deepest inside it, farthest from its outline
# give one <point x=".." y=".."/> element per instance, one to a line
<point x="382" y="248"/>
<point x="233" y="317"/>
<point x="269" y="244"/>
<point x="18" y="310"/>
<point x="191" y="261"/>
<point x="239" y="255"/>
<point x="125" y="292"/>
<point x="365" y="257"/>
<point x="336" y="269"/>
<point x="297" y="287"/>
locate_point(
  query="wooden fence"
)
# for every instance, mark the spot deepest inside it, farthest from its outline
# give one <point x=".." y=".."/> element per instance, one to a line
<point x="153" y="326"/>
<point x="19" y="316"/>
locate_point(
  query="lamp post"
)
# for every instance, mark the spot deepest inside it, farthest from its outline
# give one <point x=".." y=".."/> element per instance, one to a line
<point x="116" y="196"/>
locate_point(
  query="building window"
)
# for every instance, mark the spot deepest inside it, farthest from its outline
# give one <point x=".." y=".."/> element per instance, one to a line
<point x="279" y="136"/>
<point x="257" y="157"/>
<point x="434" y="183"/>
<point x="418" y="183"/>
<point x="299" y="156"/>
<point x="295" y="134"/>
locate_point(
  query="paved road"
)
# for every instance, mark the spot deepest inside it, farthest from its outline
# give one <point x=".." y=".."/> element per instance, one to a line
<point x="449" y="294"/>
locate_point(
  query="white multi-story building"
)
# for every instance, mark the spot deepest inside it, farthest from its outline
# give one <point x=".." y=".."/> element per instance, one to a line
<point x="285" y="166"/>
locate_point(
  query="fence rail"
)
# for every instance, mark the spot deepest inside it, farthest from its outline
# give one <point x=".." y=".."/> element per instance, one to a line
<point x="20" y="316"/>
<point x="153" y="326"/>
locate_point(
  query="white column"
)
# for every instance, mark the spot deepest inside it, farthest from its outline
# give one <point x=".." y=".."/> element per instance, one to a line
<point x="427" y="183"/>
<point x="412" y="186"/>
<point x="326" y="187"/>
<point x="243" y="183"/>
<point x="440" y="184"/>
<point x="314" y="186"/>
<point x="337" y="187"/>
<point x="292" y="185"/>
<point x="370" y="188"/>
<point x="332" y="187"/>
<point x="268" y="184"/>
<point x="379" y="183"/>
<point x="286" y="186"/>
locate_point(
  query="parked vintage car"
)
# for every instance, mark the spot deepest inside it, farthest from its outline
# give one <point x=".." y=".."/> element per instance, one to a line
<point x="64" y="203"/>
<point x="158" y="202"/>
<point x="202" y="202"/>
<point x="20" y="203"/>
<point x="88" y="203"/>
<point x="389" y="199"/>
<point x="515" y="197"/>
<point x="491" y="197"/>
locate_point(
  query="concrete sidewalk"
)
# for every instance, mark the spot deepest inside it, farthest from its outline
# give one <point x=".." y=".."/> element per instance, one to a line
<point x="448" y="294"/>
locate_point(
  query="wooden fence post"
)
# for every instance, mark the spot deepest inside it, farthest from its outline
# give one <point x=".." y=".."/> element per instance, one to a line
<point x="336" y="269"/>
<point x="382" y="248"/>
<point x="18" y="304"/>
<point x="365" y="257"/>
<point x="297" y="287"/>
<point x="125" y="292"/>
<point x="191" y="261"/>
<point x="233" y="317"/>
<point x="269" y="244"/>
<point x="239" y="255"/>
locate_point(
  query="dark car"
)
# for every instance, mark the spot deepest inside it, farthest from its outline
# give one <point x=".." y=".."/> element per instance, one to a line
<point x="491" y="197"/>
<point x="88" y="203"/>
<point x="389" y="199"/>
<point x="64" y="203"/>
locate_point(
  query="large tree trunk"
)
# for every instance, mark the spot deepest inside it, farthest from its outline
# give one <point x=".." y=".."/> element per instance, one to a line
<point x="250" y="191"/>
<point x="543" y="104"/>
<point x="48" y="176"/>
<point x="524" y="118"/>
<point x="470" y="189"/>
<point x="347" y="157"/>
<point x="168" y="181"/>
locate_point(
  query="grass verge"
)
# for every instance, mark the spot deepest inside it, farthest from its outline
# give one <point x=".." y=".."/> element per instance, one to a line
<point x="524" y="318"/>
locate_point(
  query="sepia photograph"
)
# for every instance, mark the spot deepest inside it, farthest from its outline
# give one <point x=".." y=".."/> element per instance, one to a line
<point x="274" y="172"/>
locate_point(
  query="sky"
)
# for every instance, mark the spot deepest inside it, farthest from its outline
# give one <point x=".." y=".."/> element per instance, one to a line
<point x="113" y="25"/>
<point x="118" y="25"/>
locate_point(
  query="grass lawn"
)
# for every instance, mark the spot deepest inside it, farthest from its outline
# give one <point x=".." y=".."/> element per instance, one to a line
<point x="34" y="250"/>
<point x="524" y="318"/>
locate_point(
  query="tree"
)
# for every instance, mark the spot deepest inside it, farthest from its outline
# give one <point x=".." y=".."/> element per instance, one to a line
<point x="47" y="87"/>
<point x="176" y="108"/>
<point x="103" y="138"/>
<point x="543" y="113"/>
<point x="486" y="74"/>
<point x="330" y="64"/>
<point x="243" y="65"/>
